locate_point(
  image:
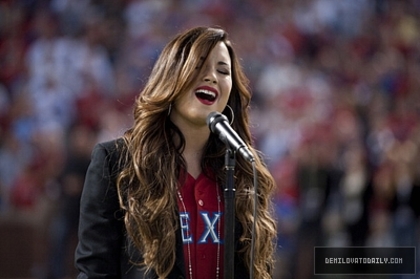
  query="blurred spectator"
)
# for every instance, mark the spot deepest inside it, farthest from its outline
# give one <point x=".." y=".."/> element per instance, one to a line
<point x="50" y="80"/>
<point x="13" y="44"/>
<point x="64" y="224"/>
<point x="356" y="191"/>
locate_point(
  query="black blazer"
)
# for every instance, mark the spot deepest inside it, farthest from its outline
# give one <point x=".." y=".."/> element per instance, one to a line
<point x="103" y="250"/>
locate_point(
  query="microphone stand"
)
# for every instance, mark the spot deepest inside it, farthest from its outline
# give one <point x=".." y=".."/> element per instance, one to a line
<point x="229" y="222"/>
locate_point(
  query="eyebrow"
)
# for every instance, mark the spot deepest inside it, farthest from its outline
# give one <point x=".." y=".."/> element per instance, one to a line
<point x="223" y="63"/>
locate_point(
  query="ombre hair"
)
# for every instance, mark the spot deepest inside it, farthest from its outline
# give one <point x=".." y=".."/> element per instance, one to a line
<point x="153" y="160"/>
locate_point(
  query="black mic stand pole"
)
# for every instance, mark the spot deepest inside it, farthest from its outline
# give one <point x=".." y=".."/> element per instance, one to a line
<point x="229" y="222"/>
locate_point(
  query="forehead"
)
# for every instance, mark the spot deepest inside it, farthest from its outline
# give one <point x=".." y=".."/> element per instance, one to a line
<point x="220" y="54"/>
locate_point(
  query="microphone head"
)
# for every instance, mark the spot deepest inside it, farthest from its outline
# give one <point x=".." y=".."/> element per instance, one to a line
<point x="215" y="117"/>
<point x="227" y="134"/>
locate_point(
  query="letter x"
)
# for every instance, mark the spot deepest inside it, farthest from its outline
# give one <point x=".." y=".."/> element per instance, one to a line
<point x="210" y="224"/>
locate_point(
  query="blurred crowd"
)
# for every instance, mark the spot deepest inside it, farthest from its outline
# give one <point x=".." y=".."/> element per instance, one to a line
<point x="335" y="111"/>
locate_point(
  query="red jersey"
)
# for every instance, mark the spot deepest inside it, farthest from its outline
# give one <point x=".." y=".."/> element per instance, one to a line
<point x="200" y="203"/>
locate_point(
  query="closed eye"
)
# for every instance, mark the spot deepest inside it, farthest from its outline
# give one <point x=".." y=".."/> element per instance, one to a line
<point x="224" y="68"/>
<point x="223" y="72"/>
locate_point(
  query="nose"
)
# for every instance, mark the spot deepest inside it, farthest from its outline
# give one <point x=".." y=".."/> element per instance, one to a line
<point x="209" y="75"/>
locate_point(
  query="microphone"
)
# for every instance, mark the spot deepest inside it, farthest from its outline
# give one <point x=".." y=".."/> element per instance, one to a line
<point x="219" y="125"/>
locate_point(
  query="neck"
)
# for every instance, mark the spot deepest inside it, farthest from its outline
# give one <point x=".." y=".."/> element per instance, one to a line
<point x="195" y="141"/>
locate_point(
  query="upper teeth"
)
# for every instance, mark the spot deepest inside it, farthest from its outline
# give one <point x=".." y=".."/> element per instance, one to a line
<point x="207" y="92"/>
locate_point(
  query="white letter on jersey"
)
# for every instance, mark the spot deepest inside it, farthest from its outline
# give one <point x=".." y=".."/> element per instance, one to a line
<point x="210" y="225"/>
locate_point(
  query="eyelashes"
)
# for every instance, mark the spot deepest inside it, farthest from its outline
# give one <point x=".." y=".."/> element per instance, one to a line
<point x="226" y="73"/>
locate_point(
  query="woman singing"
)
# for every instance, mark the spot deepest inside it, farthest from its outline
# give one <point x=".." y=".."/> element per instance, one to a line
<point x="152" y="204"/>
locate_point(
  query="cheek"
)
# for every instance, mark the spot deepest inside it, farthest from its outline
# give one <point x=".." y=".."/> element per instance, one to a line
<point x="227" y="86"/>
<point x="225" y="99"/>
<point x="181" y="104"/>
<point x="228" y="91"/>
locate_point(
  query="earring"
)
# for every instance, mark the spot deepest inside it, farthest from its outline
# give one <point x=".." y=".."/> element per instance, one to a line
<point x="231" y="112"/>
<point x="170" y="109"/>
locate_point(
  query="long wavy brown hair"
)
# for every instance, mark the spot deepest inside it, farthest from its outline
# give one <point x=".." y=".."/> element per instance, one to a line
<point x="153" y="160"/>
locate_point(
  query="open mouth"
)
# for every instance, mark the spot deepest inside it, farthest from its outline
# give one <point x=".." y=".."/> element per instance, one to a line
<point x="205" y="95"/>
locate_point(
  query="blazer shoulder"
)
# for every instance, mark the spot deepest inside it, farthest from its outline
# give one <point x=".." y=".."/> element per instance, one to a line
<point x="112" y="152"/>
<point x="111" y="146"/>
